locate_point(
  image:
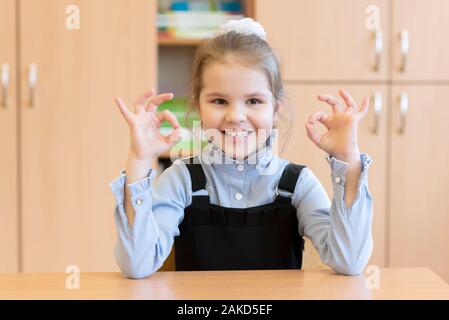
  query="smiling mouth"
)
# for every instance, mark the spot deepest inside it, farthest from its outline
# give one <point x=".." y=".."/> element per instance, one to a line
<point x="237" y="133"/>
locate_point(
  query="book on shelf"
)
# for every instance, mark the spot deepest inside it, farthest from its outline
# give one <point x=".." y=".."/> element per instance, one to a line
<point x="192" y="24"/>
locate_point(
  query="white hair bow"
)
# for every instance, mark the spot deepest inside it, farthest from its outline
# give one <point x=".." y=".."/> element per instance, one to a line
<point x="245" y="26"/>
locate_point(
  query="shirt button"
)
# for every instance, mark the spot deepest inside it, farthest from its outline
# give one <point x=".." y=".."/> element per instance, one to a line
<point x="240" y="167"/>
<point x="257" y="166"/>
<point x="238" y="196"/>
<point x="337" y="179"/>
<point x="139" y="201"/>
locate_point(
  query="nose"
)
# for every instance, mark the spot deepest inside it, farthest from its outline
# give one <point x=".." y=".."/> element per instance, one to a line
<point x="235" y="114"/>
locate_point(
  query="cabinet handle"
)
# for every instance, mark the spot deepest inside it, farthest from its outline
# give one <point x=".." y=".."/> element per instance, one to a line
<point x="377" y="101"/>
<point x="378" y="48"/>
<point x="405" y="46"/>
<point x="32" y="80"/>
<point x="403" y="112"/>
<point x="5" y="84"/>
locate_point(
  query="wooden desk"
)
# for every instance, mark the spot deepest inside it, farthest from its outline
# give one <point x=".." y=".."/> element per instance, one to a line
<point x="410" y="283"/>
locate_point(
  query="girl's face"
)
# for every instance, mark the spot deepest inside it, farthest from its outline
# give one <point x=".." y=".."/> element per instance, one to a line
<point x="237" y="108"/>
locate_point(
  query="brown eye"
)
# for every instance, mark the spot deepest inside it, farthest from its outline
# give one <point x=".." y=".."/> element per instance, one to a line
<point x="219" y="101"/>
<point x="254" y="101"/>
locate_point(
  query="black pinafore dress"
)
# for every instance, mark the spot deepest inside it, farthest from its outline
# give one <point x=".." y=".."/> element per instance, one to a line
<point x="220" y="238"/>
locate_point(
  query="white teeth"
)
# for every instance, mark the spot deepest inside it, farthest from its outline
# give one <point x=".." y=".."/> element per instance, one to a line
<point x="239" y="133"/>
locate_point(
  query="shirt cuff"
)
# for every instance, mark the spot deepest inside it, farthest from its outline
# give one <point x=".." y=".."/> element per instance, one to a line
<point x="137" y="187"/>
<point x="339" y="169"/>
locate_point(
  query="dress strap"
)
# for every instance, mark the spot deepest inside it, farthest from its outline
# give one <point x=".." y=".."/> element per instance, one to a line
<point x="197" y="175"/>
<point x="287" y="182"/>
<point x="290" y="177"/>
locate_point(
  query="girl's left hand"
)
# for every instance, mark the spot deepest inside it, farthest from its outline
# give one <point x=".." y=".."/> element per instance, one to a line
<point x="340" y="140"/>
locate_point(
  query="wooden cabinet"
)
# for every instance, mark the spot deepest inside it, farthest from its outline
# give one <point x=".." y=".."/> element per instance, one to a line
<point x="372" y="140"/>
<point x="335" y="40"/>
<point x="426" y="25"/>
<point x="419" y="177"/>
<point x="325" y="45"/>
<point x="327" y="39"/>
<point x="72" y="140"/>
<point x="9" y="241"/>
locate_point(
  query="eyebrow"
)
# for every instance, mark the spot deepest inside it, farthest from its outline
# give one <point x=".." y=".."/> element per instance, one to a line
<point x="255" y="94"/>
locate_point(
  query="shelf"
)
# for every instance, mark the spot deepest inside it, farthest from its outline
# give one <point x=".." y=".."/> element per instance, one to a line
<point x="165" y="39"/>
<point x="169" y="41"/>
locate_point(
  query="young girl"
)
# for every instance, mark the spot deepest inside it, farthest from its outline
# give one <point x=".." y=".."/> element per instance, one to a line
<point x="237" y="205"/>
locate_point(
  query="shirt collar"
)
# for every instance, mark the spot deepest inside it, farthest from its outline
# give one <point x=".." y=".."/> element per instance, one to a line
<point x="259" y="159"/>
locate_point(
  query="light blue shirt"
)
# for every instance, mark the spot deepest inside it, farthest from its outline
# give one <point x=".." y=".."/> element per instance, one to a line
<point x="341" y="235"/>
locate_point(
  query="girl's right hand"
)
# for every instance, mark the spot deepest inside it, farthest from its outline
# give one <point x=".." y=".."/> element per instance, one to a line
<point x="146" y="141"/>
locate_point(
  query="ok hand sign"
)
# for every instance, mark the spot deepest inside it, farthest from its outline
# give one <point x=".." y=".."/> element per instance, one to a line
<point x="340" y="140"/>
<point x="146" y="141"/>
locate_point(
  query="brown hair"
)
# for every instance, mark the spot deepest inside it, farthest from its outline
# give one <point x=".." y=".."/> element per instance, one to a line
<point x="249" y="49"/>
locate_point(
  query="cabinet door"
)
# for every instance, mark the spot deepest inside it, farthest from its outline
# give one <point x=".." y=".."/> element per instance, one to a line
<point x="327" y="39"/>
<point x="73" y="139"/>
<point x="301" y="150"/>
<point x="419" y="213"/>
<point x="427" y="24"/>
<point x="8" y="139"/>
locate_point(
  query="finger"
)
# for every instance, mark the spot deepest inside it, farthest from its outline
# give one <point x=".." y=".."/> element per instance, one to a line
<point x="173" y="137"/>
<point x="321" y="117"/>
<point x="363" y="110"/>
<point x="145" y="96"/>
<point x="313" y="134"/>
<point x="168" y="116"/>
<point x="331" y="100"/>
<point x="123" y="109"/>
<point x="154" y="102"/>
<point x="139" y="105"/>
<point x="349" y="101"/>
